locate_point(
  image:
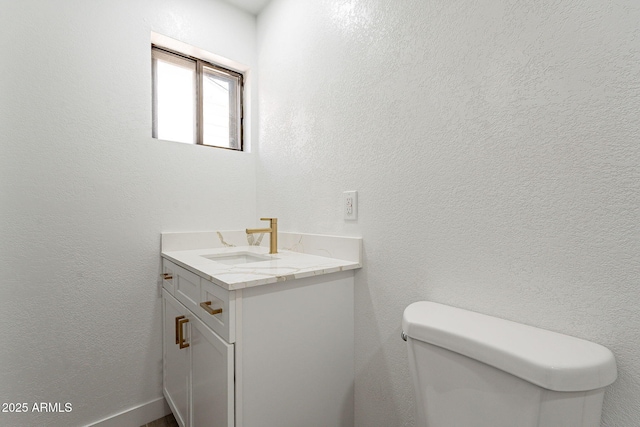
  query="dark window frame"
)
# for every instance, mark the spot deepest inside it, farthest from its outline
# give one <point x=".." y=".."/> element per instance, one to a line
<point x="200" y="66"/>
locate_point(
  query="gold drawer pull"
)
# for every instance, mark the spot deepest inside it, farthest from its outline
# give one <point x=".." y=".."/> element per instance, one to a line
<point x="177" y="335"/>
<point x="167" y="276"/>
<point x="181" y="342"/>
<point x="207" y="307"/>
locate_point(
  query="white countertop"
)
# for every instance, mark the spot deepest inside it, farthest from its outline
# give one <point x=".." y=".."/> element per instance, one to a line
<point x="298" y="258"/>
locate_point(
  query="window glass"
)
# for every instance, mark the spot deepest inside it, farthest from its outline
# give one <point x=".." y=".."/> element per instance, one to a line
<point x="175" y="84"/>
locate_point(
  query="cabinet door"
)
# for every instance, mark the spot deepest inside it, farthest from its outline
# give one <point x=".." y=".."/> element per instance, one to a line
<point x="212" y="382"/>
<point x="175" y="360"/>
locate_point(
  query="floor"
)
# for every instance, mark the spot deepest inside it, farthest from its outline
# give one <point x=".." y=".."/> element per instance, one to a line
<point x="168" y="421"/>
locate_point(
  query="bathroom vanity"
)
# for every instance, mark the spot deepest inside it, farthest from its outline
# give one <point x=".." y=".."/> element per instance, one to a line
<point x="257" y="339"/>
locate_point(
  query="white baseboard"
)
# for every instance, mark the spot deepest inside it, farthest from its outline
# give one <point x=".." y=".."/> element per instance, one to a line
<point x="136" y="416"/>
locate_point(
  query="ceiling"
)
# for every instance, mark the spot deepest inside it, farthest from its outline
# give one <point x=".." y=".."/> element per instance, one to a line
<point x="251" y="6"/>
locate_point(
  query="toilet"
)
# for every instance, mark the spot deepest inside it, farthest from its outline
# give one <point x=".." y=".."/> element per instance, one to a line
<point x="474" y="370"/>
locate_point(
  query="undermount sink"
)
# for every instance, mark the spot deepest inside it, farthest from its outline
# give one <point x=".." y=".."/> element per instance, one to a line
<point x="237" y="258"/>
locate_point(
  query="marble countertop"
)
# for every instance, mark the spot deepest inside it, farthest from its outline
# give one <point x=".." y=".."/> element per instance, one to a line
<point x="298" y="256"/>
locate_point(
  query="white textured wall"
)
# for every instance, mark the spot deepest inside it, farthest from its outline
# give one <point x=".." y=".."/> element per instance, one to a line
<point x="85" y="193"/>
<point x="495" y="146"/>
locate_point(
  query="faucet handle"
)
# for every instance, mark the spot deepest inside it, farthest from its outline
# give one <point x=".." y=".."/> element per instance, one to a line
<point x="269" y="219"/>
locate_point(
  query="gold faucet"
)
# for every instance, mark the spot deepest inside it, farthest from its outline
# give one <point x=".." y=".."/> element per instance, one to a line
<point x="273" y="230"/>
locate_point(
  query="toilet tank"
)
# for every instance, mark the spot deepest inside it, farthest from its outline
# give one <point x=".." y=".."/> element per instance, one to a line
<point x="475" y="370"/>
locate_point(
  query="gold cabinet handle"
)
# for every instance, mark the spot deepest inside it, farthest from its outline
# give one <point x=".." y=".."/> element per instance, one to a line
<point x="181" y="341"/>
<point x="207" y="307"/>
<point x="167" y="276"/>
<point x="177" y="335"/>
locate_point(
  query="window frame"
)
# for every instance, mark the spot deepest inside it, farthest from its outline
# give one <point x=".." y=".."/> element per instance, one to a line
<point x="200" y="65"/>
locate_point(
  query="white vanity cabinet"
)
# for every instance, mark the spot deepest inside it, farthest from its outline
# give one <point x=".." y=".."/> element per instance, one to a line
<point x="278" y="354"/>
<point x="198" y="369"/>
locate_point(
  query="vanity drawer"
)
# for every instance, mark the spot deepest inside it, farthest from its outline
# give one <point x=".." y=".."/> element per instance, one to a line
<point x="214" y="305"/>
<point x="168" y="274"/>
<point x="217" y="309"/>
<point x="186" y="285"/>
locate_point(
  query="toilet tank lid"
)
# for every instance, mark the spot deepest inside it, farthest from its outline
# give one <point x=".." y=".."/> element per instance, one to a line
<point x="548" y="359"/>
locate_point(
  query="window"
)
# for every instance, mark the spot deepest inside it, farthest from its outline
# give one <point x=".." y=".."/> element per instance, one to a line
<point x="196" y="102"/>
